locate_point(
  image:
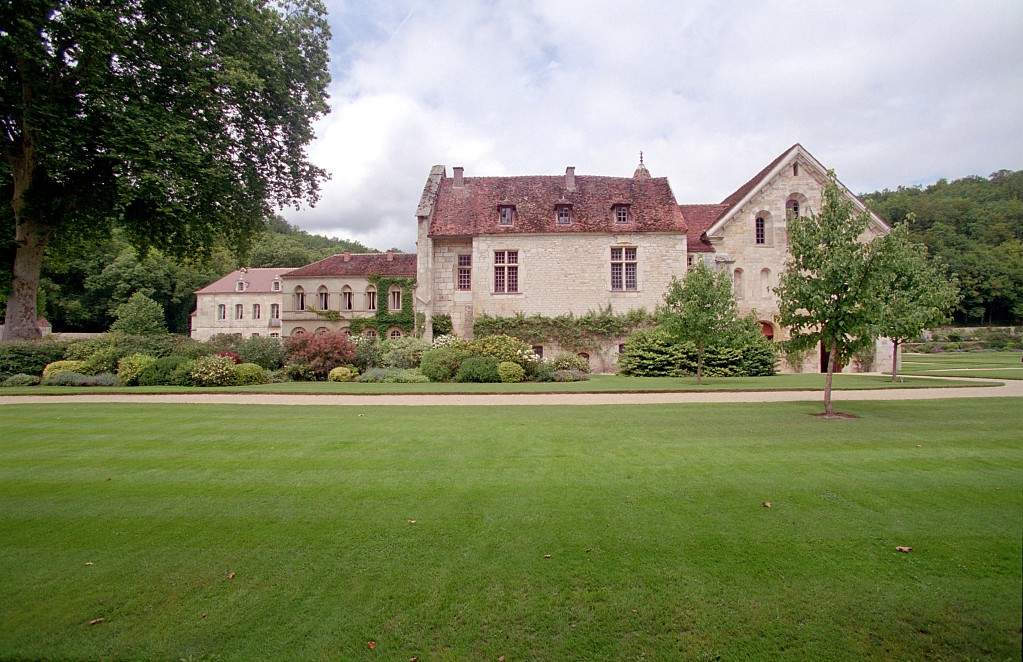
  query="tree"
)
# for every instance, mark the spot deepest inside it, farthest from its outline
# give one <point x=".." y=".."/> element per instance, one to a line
<point x="179" y="121"/>
<point x="918" y="294"/>
<point x="831" y="290"/>
<point x="699" y="309"/>
<point x="140" y="316"/>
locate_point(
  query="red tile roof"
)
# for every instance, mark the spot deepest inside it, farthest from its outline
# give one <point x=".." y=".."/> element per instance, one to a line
<point x="360" y="264"/>
<point x="471" y="209"/>
<point x="257" y="280"/>
<point x="698" y="219"/>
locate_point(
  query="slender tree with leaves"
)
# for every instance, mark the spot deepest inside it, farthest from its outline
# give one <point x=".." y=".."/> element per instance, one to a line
<point x="918" y="294"/>
<point x="180" y="121"/>
<point x="831" y="292"/>
<point x="699" y="309"/>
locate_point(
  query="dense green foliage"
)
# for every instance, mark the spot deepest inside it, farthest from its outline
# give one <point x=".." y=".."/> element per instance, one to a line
<point x="246" y="374"/>
<point x="565" y="361"/>
<point x="404" y="352"/>
<point x="510" y="373"/>
<point x="342" y="374"/>
<point x="321" y="352"/>
<point x="212" y="371"/>
<point x="975" y="225"/>
<point x="29" y="357"/>
<point x="392" y="376"/>
<point x="167" y="371"/>
<point x="139" y="316"/>
<point x="384" y="318"/>
<point x="656" y="352"/>
<point x="480" y="369"/>
<point x="20" y="379"/>
<point x="440" y="364"/>
<point x="572" y="332"/>
<point x="131" y="367"/>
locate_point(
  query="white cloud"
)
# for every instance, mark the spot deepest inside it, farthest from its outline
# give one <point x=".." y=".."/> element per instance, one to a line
<point x="710" y="91"/>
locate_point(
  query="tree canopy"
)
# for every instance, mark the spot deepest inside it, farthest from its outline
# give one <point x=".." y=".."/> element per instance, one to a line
<point x="180" y="122"/>
<point x="699" y="309"/>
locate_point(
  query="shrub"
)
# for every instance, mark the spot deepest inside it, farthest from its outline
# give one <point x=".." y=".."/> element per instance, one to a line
<point x="131" y="367"/>
<point x="102" y="354"/>
<point x="140" y="315"/>
<point x="570" y="376"/>
<point x="654" y="353"/>
<point x="262" y="350"/>
<point x="182" y="375"/>
<point x="478" y="369"/>
<point x="299" y="372"/>
<point x="228" y="354"/>
<point x="21" y="380"/>
<point x="441" y="363"/>
<point x="392" y="376"/>
<point x="78" y="379"/>
<point x="342" y="374"/>
<point x="224" y="342"/>
<point x="544" y="372"/>
<point x="29" y="357"/>
<point x="509" y="372"/>
<point x="367" y="353"/>
<point x="62" y="366"/>
<point x="212" y="371"/>
<point x="246" y="374"/>
<point x="163" y="372"/>
<point x="570" y="362"/>
<point x="504" y="348"/>
<point x="322" y="352"/>
<point x="449" y="341"/>
<point x="404" y="352"/>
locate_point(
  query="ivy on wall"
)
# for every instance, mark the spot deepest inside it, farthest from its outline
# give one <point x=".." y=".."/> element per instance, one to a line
<point x="384" y="318"/>
<point x="571" y="332"/>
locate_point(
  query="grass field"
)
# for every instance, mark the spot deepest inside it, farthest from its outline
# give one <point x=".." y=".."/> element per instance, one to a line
<point x="596" y="384"/>
<point x="535" y="533"/>
<point x="991" y="365"/>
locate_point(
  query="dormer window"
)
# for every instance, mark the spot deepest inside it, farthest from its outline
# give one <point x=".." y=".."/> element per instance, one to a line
<point x="506" y="214"/>
<point x="240" y="286"/>
<point x="564" y="214"/>
<point x="276" y="286"/>
<point x="621" y="213"/>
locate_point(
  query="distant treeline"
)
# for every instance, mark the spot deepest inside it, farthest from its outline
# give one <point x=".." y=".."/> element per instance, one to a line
<point x="975" y="225"/>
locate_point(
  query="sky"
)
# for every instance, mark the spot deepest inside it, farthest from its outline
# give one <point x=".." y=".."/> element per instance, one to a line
<point x="887" y="93"/>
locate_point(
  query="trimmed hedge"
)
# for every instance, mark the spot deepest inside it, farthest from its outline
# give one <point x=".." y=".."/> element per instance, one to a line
<point x="510" y="373"/>
<point x="20" y="380"/>
<point x="167" y="371"/>
<point x="440" y="364"/>
<point x="78" y="379"/>
<point x="131" y="367"/>
<point x="655" y="354"/>
<point x="29" y="357"/>
<point x="404" y="352"/>
<point x="63" y="366"/>
<point x="392" y="376"/>
<point x="342" y="374"/>
<point x="213" y="371"/>
<point x="481" y="369"/>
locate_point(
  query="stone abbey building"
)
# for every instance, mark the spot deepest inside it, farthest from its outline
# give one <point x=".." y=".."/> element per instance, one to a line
<point x="545" y="245"/>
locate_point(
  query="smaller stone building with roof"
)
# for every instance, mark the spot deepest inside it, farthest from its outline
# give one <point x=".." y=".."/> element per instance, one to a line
<point x="245" y="302"/>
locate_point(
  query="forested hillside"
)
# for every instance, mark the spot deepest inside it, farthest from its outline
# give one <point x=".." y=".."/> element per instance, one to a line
<point x="82" y="285"/>
<point x="975" y="225"/>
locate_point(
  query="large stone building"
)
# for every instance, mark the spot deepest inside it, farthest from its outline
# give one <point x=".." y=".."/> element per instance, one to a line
<point x="552" y="245"/>
<point x="246" y="302"/>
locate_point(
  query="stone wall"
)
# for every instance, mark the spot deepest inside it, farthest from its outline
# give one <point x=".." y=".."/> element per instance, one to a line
<point x="205" y="325"/>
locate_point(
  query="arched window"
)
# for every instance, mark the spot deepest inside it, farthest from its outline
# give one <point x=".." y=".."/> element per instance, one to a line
<point x="737" y="283"/>
<point x="765" y="282"/>
<point x="221" y="311"/>
<point x="760" y="230"/>
<point x="275" y="311"/>
<point x="371" y="298"/>
<point x="394" y="298"/>
<point x="792" y="209"/>
<point x="298" y="331"/>
<point x="323" y="297"/>
<point x="299" y="299"/>
<point x="346" y="332"/>
<point x="767" y="329"/>
<point x="239" y="311"/>
<point x="394" y="333"/>
<point x="257" y="311"/>
<point x="370" y="333"/>
<point x="321" y="330"/>
<point x="347" y="298"/>
<point x="795" y="170"/>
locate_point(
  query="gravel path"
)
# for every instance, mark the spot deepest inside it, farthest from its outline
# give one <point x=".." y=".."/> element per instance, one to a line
<point x="1010" y="389"/>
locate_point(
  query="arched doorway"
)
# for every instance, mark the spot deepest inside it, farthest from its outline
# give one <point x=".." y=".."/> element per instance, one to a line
<point x="767" y="329"/>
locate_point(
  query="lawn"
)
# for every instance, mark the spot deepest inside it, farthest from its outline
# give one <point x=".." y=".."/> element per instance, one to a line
<point x="596" y="384"/>
<point x="534" y="533"/>
<point x="991" y="365"/>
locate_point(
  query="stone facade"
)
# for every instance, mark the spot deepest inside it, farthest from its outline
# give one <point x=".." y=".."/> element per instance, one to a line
<point x="243" y="303"/>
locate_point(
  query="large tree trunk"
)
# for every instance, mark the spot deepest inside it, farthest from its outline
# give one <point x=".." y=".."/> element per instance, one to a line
<point x="30" y="244"/>
<point x="833" y="352"/>
<point x="895" y="358"/>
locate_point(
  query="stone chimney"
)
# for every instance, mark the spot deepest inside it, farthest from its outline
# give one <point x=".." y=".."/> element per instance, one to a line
<point x="458" y="170"/>
<point x="346" y="256"/>
<point x="570" y="178"/>
<point x="390" y="254"/>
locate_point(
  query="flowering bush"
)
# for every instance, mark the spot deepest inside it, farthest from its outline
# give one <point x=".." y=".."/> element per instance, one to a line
<point x="570" y="376"/>
<point x="262" y="350"/>
<point x="441" y="363"/>
<point x="131" y="367"/>
<point x="322" y="352"/>
<point x="213" y="371"/>
<point x="449" y="341"/>
<point x="510" y="372"/>
<point x="246" y="374"/>
<point x="367" y="352"/>
<point x="228" y="354"/>
<point x="570" y="362"/>
<point x="504" y="348"/>
<point x="342" y="374"/>
<point x="405" y="352"/>
<point x="62" y="366"/>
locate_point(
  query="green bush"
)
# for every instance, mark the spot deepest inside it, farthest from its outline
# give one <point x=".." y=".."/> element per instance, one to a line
<point x="570" y="362"/>
<point x="248" y="374"/>
<point x="263" y="351"/>
<point x="570" y="375"/>
<point x="102" y="354"/>
<point x="342" y="374"/>
<point x="21" y="380"/>
<point x="544" y="372"/>
<point x="182" y="375"/>
<point x="478" y="369"/>
<point x="440" y="364"/>
<point x="213" y="371"/>
<point x="654" y="353"/>
<point x="140" y="315"/>
<point x="62" y="366"/>
<point x="404" y="352"/>
<point x="131" y="367"/>
<point x="29" y="357"/>
<point x="78" y="379"/>
<point x="503" y="348"/>
<point x="299" y="372"/>
<point x="510" y="373"/>
<point x="392" y="376"/>
<point x="164" y="372"/>
<point x="367" y="353"/>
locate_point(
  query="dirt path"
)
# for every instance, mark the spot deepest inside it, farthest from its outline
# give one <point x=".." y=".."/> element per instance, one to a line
<point x="1010" y="389"/>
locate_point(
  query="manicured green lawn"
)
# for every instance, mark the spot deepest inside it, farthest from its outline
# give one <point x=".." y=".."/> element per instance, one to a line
<point x="597" y="384"/>
<point x="426" y="530"/>
<point x="991" y="365"/>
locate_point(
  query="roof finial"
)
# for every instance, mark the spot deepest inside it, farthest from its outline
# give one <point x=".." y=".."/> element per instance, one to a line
<point x="641" y="171"/>
<point x="640" y="157"/>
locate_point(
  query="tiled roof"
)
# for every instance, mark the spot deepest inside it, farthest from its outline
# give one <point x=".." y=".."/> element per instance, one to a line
<point x="472" y="209"/>
<point x="360" y="264"/>
<point x="741" y="192"/>
<point x="256" y="279"/>
<point x="698" y="218"/>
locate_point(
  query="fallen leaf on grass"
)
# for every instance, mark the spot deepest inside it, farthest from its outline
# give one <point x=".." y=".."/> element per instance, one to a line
<point x="547" y="556"/>
<point x="88" y="563"/>
<point x="231" y="575"/>
<point x="413" y="659"/>
<point x="204" y="614"/>
<point x="372" y="645"/>
<point x="500" y="659"/>
<point x="766" y="504"/>
<point x="97" y="621"/>
<point x="411" y="521"/>
<point x="903" y="549"/>
<point x="919" y="445"/>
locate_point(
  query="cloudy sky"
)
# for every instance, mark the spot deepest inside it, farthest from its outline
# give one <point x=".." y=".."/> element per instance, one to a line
<point x="886" y="92"/>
